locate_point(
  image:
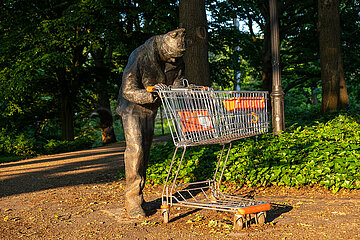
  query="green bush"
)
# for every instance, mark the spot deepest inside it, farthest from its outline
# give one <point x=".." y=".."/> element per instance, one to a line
<point x="59" y="146"/>
<point x="17" y="146"/>
<point x="199" y="163"/>
<point x="28" y="146"/>
<point x="323" y="153"/>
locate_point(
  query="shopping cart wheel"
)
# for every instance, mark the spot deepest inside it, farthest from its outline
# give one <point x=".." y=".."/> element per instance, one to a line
<point x="238" y="223"/>
<point x="261" y="218"/>
<point x="166" y="216"/>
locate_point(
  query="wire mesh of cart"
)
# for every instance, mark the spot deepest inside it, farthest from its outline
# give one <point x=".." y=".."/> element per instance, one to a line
<point x="201" y="116"/>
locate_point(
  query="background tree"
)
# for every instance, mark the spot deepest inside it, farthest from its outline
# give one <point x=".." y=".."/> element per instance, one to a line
<point x="62" y="60"/>
<point x="334" y="91"/>
<point x="350" y="33"/>
<point x="193" y="19"/>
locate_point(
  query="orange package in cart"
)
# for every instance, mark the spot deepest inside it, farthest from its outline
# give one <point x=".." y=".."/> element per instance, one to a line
<point x="195" y="121"/>
<point x="244" y="103"/>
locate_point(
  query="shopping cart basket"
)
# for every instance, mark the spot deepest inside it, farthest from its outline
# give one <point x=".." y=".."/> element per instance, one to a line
<point x="200" y="116"/>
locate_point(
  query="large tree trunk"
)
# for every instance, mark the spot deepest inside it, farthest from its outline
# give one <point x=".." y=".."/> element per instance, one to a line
<point x="103" y="109"/>
<point x="67" y="118"/>
<point x="266" y="52"/>
<point x="193" y="19"/>
<point x="266" y="61"/>
<point x="334" y="91"/>
<point x="69" y="84"/>
<point x="66" y="110"/>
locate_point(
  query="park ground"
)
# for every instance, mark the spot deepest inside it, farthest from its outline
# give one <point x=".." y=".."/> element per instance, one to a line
<point x="78" y="195"/>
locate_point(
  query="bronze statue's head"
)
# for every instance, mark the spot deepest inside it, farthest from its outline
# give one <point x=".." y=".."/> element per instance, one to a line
<point x="172" y="45"/>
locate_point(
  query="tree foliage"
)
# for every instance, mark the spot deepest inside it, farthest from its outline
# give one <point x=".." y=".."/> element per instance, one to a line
<point x="49" y="52"/>
<point x="300" y="59"/>
<point x="60" y="60"/>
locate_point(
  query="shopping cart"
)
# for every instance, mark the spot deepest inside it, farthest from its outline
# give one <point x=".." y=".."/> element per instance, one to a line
<point x="200" y="116"/>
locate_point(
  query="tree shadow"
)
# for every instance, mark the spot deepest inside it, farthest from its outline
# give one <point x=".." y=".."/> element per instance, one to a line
<point x="96" y="165"/>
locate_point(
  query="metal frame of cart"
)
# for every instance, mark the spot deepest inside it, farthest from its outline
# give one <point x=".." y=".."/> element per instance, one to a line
<point x="202" y="116"/>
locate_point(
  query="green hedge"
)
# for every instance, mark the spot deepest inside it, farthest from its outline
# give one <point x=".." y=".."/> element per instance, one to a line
<point x="22" y="146"/>
<point x="325" y="154"/>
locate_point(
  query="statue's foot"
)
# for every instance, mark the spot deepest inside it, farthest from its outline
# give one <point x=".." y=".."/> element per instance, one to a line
<point x="136" y="212"/>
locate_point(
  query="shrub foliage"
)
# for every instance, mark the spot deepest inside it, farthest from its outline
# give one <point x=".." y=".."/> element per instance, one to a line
<point x="325" y="154"/>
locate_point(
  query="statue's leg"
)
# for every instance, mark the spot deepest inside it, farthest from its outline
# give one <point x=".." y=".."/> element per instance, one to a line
<point x="138" y="130"/>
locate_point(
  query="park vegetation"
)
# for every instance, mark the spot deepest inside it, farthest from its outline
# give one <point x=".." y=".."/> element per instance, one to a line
<point x="324" y="152"/>
<point x="61" y="64"/>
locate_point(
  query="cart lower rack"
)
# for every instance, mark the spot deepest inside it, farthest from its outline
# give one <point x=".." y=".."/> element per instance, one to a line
<point x="201" y="116"/>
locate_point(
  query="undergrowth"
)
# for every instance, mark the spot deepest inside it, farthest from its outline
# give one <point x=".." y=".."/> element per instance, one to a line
<point x="28" y="144"/>
<point x="322" y="153"/>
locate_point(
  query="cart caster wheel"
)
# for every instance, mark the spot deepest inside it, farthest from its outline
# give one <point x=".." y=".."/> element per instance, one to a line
<point x="261" y="218"/>
<point x="238" y="223"/>
<point x="166" y="216"/>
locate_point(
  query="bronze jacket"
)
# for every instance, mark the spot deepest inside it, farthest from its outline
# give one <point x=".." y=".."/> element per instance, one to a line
<point x="144" y="68"/>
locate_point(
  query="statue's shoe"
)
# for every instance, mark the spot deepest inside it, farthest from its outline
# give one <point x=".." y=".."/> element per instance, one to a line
<point x="136" y="212"/>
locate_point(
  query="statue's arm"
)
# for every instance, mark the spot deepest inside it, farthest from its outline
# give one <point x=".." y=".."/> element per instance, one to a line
<point x="133" y="89"/>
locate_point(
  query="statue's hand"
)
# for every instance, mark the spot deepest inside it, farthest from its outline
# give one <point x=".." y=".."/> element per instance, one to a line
<point x="154" y="93"/>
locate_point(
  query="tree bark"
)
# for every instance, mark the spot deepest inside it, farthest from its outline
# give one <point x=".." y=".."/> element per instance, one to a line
<point x="193" y="19"/>
<point x="67" y="118"/>
<point x="266" y="52"/>
<point x="66" y="111"/>
<point x="69" y="83"/>
<point x="103" y="110"/>
<point x="334" y="91"/>
<point x="266" y="60"/>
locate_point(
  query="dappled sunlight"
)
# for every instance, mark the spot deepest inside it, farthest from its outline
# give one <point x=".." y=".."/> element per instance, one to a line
<point x="51" y="163"/>
<point x="78" y="171"/>
<point x="65" y="169"/>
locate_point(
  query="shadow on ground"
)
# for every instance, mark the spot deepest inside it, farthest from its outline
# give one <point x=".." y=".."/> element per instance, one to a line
<point x="95" y="165"/>
<point x="67" y="169"/>
<point x="276" y="211"/>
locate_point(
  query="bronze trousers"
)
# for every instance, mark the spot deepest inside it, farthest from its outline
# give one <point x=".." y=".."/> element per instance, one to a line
<point x="139" y="130"/>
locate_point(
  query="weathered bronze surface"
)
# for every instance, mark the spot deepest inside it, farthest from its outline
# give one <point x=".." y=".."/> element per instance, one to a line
<point x="158" y="61"/>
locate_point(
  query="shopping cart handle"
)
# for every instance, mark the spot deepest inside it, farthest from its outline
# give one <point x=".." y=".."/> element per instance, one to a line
<point x="177" y="87"/>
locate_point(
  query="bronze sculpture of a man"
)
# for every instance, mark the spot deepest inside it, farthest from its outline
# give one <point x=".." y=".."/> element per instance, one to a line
<point x="159" y="61"/>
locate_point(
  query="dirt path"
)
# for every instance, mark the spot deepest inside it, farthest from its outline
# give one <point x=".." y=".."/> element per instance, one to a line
<point x="77" y="196"/>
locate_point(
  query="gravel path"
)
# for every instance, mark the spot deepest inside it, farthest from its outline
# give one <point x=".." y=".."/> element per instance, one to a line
<point x="78" y="195"/>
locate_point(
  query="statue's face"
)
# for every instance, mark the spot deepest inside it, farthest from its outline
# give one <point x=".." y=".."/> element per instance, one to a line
<point x="173" y="44"/>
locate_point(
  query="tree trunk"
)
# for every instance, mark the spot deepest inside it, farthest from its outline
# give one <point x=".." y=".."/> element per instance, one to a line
<point x="334" y="91"/>
<point x="66" y="111"/>
<point x="193" y="19"/>
<point x="266" y="60"/>
<point x="103" y="109"/>
<point x="67" y="125"/>
<point x="266" y="52"/>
